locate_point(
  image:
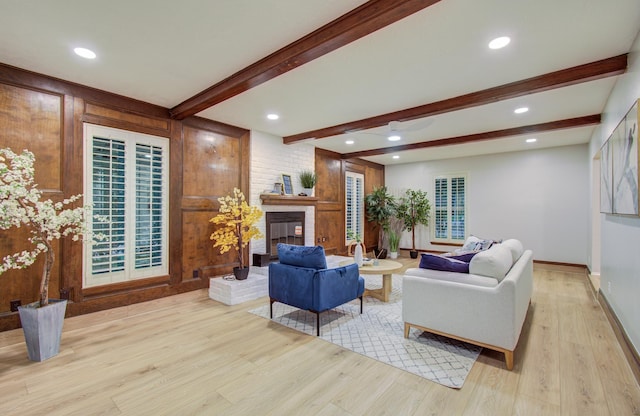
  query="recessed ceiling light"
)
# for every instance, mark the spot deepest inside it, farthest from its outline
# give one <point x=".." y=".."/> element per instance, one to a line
<point x="532" y="140"/>
<point x="500" y="42"/>
<point x="394" y="137"/>
<point x="396" y="157"/>
<point x="349" y="142"/>
<point x="273" y="116"/>
<point x="521" y="110"/>
<point x="85" y="53"/>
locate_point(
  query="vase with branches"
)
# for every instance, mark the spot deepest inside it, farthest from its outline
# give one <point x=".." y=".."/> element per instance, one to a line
<point x="22" y="205"/>
<point x="237" y="227"/>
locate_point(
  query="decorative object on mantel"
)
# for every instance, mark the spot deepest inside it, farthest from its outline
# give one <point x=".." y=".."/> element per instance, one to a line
<point x="237" y="221"/>
<point x="308" y="181"/>
<point x="21" y="204"/>
<point x="380" y="207"/>
<point x="277" y="189"/>
<point x="413" y="209"/>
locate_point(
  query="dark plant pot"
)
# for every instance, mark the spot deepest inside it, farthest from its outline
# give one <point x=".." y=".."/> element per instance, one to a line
<point x="241" y="274"/>
<point x="380" y="254"/>
<point x="42" y="327"/>
<point x="413" y="254"/>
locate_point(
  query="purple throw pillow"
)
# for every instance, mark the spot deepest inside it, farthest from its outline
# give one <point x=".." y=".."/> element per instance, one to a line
<point x="465" y="257"/>
<point x="447" y="264"/>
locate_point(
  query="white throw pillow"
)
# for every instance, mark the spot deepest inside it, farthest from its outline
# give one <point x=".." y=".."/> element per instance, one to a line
<point x="494" y="262"/>
<point x="515" y="246"/>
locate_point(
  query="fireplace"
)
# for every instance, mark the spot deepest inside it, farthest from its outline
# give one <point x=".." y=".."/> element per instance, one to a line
<point x="283" y="227"/>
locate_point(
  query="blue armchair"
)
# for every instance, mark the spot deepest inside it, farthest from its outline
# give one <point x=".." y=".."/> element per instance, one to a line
<point x="302" y="280"/>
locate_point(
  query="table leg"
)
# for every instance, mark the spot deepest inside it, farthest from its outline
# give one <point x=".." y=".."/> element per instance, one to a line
<point x="382" y="293"/>
<point x="386" y="287"/>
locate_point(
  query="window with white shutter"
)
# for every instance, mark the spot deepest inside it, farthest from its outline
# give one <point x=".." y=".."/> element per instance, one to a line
<point x="450" y="208"/>
<point x="354" y="205"/>
<point x="127" y="181"/>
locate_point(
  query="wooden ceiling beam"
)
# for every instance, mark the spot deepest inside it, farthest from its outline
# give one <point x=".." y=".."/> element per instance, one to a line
<point x="359" y="22"/>
<point x="563" y="78"/>
<point x="478" y="137"/>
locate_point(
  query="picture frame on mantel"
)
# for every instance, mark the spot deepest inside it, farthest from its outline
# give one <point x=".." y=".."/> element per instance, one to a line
<point x="287" y="184"/>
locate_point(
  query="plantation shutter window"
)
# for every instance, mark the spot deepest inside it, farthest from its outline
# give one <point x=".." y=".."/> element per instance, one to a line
<point x="127" y="182"/>
<point x="354" y="205"/>
<point x="450" y="208"/>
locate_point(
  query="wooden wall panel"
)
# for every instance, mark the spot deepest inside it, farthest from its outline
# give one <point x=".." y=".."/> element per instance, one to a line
<point x="208" y="159"/>
<point x="198" y="252"/>
<point x="33" y="120"/>
<point x="330" y="169"/>
<point x="211" y="163"/>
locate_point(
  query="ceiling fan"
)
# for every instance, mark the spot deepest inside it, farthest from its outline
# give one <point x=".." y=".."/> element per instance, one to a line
<point x="395" y="131"/>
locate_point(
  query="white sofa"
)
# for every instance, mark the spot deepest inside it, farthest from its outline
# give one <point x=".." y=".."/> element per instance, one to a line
<point x="486" y="307"/>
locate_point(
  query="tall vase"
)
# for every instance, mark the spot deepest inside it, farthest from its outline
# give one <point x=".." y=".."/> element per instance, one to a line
<point x="357" y="255"/>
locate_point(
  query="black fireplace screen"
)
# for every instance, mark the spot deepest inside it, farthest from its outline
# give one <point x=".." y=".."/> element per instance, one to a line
<point x="284" y="227"/>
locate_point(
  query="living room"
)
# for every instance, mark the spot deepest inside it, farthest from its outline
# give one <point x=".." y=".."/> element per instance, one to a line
<point x="548" y="197"/>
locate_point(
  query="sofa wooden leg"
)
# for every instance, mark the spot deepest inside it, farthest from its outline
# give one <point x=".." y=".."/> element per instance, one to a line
<point x="508" y="358"/>
<point x="406" y="329"/>
<point x="361" y="304"/>
<point x="317" y="324"/>
<point x="271" y="300"/>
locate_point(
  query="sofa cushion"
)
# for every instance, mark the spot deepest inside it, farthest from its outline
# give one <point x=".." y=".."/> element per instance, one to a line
<point x="494" y="262"/>
<point x="515" y="246"/>
<point x="444" y="263"/>
<point x="302" y="256"/>
<point x="467" y="279"/>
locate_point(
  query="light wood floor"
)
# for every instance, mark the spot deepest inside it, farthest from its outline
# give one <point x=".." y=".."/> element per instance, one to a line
<point x="189" y="355"/>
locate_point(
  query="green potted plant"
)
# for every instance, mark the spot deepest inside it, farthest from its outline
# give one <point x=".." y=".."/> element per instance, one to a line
<point x="394" y="242"/>
<point x="308" y="181"/>
<point x="237" y="221"/>
<point x="380" y="207"/>
<point x="414" y="209"/>
<point x="21" y="204"/>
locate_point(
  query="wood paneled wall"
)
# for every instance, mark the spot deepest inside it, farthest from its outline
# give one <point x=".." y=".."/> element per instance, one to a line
<point x="330" y="189"/>
<point x="207" y="160"/>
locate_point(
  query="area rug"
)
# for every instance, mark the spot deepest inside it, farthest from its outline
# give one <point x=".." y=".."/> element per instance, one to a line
<point x="378" y="334"/>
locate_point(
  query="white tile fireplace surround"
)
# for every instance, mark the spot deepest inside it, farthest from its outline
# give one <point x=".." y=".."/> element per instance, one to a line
<point x="259" y="246"/>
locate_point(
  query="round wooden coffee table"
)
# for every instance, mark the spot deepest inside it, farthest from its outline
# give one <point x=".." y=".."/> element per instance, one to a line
<point x="384" y="267"/>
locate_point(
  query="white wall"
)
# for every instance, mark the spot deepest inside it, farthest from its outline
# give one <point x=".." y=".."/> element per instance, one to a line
<point x="620" y="236"/>
<point x="270" y="158"/>
<point x="540" y="197"/>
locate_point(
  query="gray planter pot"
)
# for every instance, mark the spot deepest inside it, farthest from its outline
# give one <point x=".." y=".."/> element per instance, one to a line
<point x="42" y="328"/>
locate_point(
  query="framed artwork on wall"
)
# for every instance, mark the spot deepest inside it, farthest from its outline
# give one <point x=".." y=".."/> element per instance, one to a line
<point x="624" y="149"/>
<point x="606" y="181"/>
<point x="288" y="184"/>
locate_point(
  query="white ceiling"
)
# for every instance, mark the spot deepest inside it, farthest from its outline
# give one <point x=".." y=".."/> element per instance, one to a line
<point x="164" y="52"/>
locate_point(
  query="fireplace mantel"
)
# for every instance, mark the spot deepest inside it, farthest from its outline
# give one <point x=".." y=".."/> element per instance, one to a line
<point x="268" y="199"/>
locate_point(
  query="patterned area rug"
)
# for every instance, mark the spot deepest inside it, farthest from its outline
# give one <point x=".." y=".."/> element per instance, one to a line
<point x="378" y="334"/>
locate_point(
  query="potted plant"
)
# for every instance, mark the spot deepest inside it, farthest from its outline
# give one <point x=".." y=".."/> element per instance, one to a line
<point x="380" y="207"/>
<point x="308" y="181"/>
<point x="413" y="209"/>
<point x="237" y="221"/>
<point x="21" y="204"/>
<point x="394" y="242"/>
